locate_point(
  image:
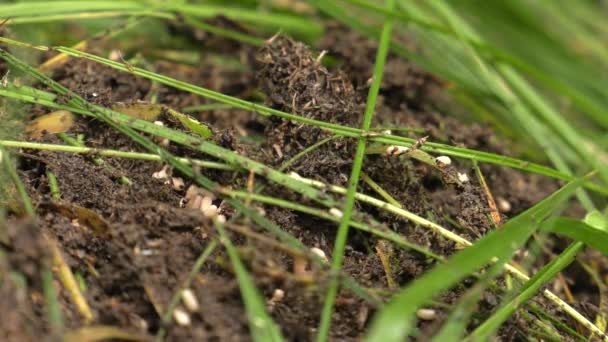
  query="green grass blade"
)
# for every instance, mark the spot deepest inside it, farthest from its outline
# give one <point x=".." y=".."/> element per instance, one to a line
<point x="353" y="182"/>
<point x="261" y="325"/>
<point x="53" y="307"/>
<point x="584" y="102"/>
<point x="485" y="330"/>
<point x="554" y="147"/>
<point x="62" y="7"/>
<point x="555" y="120"/>
<point x="380" y="233"/>
<point x="9" y="168"/>
<point x="222" y="32"/>
<point x="455" y="326"/>
<point x="23" y="20"/>
<point x="594" y="236"/>
<point x="56" y="10"/>
<point x="110" y="153"/>
<point x="395" y="320"/>
<point x="177" y="296"/>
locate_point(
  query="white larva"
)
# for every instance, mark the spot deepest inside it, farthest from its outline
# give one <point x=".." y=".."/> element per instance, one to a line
<point x="277" y="296"/>
<point x="443" y="161"/>
<point x="336" y="212"/>
<point x="178" y="183"/>
<point x="295" y="175"/>
<point x="426" y="314"/>
<point x="395" y="150"/>
<point x="503" y="205"/>
<point x="190" y="301"/>
<point x="206" y="203"/>
<point x="181" y="317"/>
<point x="211" y="211"/>
<point x="319" y="252"/>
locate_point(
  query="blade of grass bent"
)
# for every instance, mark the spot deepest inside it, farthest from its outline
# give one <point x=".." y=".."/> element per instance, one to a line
<point x="340" y="242"/>
<point x="595" y="237"/>
<point x="454" y="327"/>
<point x="395" y="320"/>
<point x="261" y="325"/>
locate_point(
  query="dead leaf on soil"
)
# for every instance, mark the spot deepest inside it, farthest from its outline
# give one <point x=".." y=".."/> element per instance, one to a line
<point x="139" y="110"/>
<point x="103" y="333"/>
<point x="84" y="216"/>
<point x="55" y="122"/>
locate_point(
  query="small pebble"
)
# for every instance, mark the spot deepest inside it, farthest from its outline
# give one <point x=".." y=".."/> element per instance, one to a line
<point x="462" y="177"/>
<point x="159" y="123"/>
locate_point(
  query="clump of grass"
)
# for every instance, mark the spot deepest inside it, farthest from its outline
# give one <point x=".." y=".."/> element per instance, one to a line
<point x="492" y="78"/>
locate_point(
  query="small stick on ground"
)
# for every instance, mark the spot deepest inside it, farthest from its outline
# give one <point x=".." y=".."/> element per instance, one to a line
<point x="384" y="251"/>
<point x="250" y="184"/>
<point x="491" y="203"/>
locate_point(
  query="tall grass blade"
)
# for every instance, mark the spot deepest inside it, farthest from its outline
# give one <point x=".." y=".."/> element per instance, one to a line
<point x="262" y="326"/>
<point x="353" y="182"/>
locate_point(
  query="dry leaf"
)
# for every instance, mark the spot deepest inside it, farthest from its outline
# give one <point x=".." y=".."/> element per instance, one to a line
<point x="55" y="122"/>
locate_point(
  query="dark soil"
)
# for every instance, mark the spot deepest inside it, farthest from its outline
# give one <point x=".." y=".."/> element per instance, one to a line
<point x="135" y="244"/>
